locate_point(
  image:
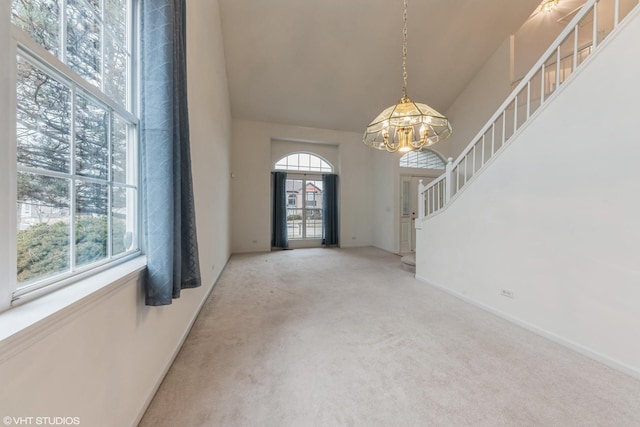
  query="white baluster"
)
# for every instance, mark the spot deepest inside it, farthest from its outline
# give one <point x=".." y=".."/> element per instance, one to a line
<point x="447" y="179"/>
<point x="420" y="199"/>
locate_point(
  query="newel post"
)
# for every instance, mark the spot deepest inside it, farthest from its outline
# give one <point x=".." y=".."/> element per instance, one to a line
<point x="448" y="180"/>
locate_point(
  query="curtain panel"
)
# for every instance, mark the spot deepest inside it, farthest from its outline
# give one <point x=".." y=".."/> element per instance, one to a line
<point x="279" y="238"/>
<point x="330" y="215"/>
<point x="169" y="227"/>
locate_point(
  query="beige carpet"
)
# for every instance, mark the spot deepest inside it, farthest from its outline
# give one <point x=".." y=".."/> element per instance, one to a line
<point x="345" y="337"/>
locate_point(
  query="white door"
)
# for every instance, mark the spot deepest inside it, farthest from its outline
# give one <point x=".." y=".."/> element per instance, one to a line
<point x="407" y="230"/>
<point x="408" y="211"/>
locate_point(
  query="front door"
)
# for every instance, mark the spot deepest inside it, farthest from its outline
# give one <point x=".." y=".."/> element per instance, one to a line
<point x="408" y="211"/>
<point x="406" y="218"/>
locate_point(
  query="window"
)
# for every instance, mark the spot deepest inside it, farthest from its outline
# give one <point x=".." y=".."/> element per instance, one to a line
<point x="303" y="162"/>
<point x="304" y="221"/>
<point x="304" y="194"/>
<point x="426" y="159"/>
<point x="77" y="185"/>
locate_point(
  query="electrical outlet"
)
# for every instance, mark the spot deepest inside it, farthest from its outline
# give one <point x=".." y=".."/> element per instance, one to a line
<point x="506" y="293"/>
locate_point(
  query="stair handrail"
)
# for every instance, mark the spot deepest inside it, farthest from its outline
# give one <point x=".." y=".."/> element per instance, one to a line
<point x="525" y="82"/>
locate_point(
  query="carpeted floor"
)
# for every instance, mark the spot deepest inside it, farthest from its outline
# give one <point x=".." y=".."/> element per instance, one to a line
<point x="346" y="337"/>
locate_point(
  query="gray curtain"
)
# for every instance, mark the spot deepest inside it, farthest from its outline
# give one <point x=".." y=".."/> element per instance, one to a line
<point x="279" y="237"/>
<point x="330" y="210"/>
<point x="169" y="227"/>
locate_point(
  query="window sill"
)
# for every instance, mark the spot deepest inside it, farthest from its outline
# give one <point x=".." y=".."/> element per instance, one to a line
<point x="22" y="325"/>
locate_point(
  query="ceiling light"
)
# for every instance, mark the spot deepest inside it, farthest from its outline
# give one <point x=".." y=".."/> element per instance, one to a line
<point x="408" y="125"/>
<point x="548" y="6"/>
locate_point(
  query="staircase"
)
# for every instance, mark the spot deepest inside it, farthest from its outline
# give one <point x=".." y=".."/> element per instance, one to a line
<point x="546" y="236"/>
<point x="571" y="50"/>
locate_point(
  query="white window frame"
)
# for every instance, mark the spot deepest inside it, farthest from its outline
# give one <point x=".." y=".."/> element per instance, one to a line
<point x="305" y="178"/>
<point x="283" y="164"/>
<point x="17" y="42"/>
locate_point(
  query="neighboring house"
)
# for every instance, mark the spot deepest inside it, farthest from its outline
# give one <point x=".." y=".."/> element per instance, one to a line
<point x="29" y="214"/>
<point x="311" y="198"/>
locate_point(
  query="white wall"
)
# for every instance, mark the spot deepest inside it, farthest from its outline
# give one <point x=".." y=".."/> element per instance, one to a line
<point x="555" y="218"/>
<point x="251" y="182"/>
<point x="386" y="197"/>
<point x="102" y="362"/>
<point x="385" y="205"/>
<point x="478" y="101"/>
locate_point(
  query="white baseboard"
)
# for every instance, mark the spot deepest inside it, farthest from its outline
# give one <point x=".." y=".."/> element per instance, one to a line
<point x="176" y="350"/>
<point x="579" y="348"/>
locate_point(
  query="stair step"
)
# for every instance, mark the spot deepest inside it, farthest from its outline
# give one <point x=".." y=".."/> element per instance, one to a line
<point x="409" y="263"/>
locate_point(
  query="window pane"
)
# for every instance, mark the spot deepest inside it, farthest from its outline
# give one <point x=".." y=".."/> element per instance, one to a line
<point x="43" y="120"/>
<point x="39" y="18"/>
<point x="406" y="201"/>
<point x="115" y="72"/>
<point x="315" y="163"/>
<point x="123" y="220"/>
<point x="293" y="161"/>
<point x="43" y="226"/>
<point x="313" y="223"/>
<point x="83" y="42"/>
<point x="314" y="194"/>
<point x="304" y="161"/>
<point x="294" y="223"/>
<point x="121" y="155"/>
<point x="91" y="222"/>
<point x="115" y="17"/>
<point x="91" y="138"/>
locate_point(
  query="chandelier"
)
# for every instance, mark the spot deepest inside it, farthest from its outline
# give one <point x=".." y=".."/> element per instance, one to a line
<point x="408" y="125"/>
<point x="548" y="6"/>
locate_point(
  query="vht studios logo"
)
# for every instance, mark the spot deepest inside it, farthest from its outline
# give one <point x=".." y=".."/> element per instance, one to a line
<point x="41" y="421"/>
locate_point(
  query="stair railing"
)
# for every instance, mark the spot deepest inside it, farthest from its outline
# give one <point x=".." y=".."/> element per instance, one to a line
<point x="553" y="69"/>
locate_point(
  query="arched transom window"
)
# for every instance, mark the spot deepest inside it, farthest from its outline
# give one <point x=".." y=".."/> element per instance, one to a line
<point x="426" y="159"/>
<point x="303" y="162"/>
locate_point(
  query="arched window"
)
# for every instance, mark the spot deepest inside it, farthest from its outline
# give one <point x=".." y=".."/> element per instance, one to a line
<point x="304" y="186"/>
<point x="426" y="159"/>
<point x="303" y="162"/>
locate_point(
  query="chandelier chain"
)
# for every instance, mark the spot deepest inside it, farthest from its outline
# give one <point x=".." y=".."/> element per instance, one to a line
<point x="404" y="51"/>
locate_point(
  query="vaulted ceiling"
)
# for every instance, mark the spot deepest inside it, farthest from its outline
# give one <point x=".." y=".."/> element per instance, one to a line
<point x="335" y="64"/>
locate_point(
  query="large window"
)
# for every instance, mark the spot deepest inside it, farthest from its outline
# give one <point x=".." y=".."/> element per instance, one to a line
<point x="304" y="194"/>
<point x="304" y="220"/>
<point x="77" y="184"/>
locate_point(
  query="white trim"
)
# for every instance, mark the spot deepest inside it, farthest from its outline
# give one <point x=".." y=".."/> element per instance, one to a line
<point x="7" y="156"/>
<point x="579" y="348"/>
<point x="24" y="325"/>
